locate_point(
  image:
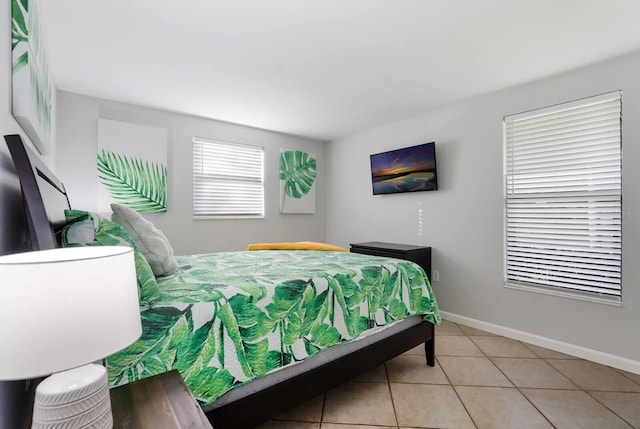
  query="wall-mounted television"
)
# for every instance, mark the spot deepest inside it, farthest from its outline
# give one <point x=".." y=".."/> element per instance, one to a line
<point x="410" y="169"/>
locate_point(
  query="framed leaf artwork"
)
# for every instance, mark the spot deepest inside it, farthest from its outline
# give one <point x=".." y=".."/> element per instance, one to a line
<point x="297" y="182"/>
<point x="33" y="88"/>
<point x="132" y="166"/>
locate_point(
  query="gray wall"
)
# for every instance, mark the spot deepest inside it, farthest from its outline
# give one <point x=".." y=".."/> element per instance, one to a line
<point x="463" y="221"/>
<point x="75" y="165"/>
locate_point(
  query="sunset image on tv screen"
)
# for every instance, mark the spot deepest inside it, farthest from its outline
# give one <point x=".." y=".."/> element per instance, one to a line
<point x="404" y="170"/>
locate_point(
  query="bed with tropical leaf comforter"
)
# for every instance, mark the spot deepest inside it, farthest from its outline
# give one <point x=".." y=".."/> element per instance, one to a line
<point x="227" y="318"/>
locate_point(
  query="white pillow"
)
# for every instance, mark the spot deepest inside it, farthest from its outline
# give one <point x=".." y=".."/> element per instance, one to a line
<point x="153" y="244"/>
<point x="81" y="232"/>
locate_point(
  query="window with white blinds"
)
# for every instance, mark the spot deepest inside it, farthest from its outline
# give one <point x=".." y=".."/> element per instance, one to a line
<point x="227" y="179"/>
<point x="564" y="197"/>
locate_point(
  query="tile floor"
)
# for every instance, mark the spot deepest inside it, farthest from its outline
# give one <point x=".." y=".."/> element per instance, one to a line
<point x="480" y="381"/>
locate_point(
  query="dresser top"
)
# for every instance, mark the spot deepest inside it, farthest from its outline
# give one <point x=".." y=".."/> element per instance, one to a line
<point x="388" y="246"/>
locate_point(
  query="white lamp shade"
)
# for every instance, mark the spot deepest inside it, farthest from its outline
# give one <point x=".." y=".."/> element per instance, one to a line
<point x="63" y="308"/>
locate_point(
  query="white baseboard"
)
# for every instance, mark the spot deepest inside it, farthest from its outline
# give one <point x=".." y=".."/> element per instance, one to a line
<point x="559" y="346"/>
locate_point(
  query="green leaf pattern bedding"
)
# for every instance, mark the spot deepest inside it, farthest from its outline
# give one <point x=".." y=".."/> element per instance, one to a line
<point x="227" y="318"/>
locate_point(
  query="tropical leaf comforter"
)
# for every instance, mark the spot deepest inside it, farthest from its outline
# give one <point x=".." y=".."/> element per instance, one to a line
<point x="227" y="318"/>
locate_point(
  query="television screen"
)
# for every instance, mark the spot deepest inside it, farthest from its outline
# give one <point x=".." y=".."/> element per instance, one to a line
<point x="409" y="169"/>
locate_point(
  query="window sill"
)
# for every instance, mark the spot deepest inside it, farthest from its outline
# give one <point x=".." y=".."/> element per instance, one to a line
<point x="612" y="301"/>
<point x="228" y="217"/>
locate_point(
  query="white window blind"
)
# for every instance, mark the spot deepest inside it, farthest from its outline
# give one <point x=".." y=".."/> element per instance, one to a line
<point x="563" y="197"/>
<point x="227" y="179"/>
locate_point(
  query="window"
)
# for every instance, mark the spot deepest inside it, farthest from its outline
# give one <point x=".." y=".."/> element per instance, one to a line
<point x="227" y="179"/>
<point x="563" y="197"/>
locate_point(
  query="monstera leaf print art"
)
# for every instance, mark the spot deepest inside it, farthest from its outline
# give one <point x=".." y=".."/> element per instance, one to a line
<point x="134" y="182"/>
<point x="19" y="31"/>
<point x="298" y="174"/>
<point x="32" y="85"/>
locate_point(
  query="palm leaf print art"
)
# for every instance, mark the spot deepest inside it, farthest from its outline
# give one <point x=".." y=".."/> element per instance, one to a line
<point x="298" y="171"/>
<point x="134" y="182"/>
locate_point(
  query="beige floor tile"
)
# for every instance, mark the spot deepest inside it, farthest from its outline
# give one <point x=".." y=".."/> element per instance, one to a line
<point x="423" y="397"/>
<point x="310" y="411"/>
<point x="501" y="347"/>
<point x="468" y="330"/>
<point x="472" y="371"/>
<point x="413" y="369"/>
<point x="448" y="328"/>
<point x="376" y="375"/>
<point x="548" y="353"/>
<point x="625" y="405"/>
<point x="593" y="376"/>
<point x="500" y="407"/>
<point x="571" y="409"/>
<point x="281" y="424"/>
<point x="359" y="403"/>
<point x="536" y="373"/>
<point x="632" y="376"/>
<point x="418" y="350"/>
<point x="341" y="426"/>
<point x="456" y="345"/>
<point x="431" y="406"/>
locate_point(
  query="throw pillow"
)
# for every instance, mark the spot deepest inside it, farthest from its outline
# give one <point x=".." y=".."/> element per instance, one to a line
<point x="80" y="227"/>
<point x="153" y="244"/>
<point x="88" y="229"/>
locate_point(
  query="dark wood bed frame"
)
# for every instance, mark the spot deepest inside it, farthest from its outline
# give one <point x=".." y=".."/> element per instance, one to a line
<point x="36" y="181"/>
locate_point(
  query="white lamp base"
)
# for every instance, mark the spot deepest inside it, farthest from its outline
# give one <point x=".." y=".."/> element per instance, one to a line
<point x="74" y="399"/>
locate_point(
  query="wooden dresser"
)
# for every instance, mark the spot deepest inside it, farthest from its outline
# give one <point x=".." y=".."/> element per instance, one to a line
<point x="419" y="254"/>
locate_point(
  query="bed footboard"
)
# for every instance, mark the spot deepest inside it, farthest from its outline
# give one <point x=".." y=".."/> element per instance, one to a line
<point x="253" y="409"/>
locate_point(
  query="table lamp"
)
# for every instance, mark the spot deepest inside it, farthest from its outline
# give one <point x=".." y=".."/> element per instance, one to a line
<point x="61" y="310"/>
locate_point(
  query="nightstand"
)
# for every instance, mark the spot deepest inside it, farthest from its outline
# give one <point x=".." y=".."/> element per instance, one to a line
<point x="162" y="401"/>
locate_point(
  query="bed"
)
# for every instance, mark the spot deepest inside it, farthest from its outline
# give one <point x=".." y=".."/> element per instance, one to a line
<point x="256" y="333"/>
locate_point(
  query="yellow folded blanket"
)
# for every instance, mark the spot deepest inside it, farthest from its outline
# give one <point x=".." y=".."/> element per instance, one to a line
<point x="299" y="245"/>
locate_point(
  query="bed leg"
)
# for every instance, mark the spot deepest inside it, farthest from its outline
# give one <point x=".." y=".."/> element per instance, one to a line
<point x="430" y="351"/>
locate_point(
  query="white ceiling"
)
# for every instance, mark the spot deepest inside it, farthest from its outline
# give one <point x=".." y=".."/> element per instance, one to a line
<point x="323" y="68"/>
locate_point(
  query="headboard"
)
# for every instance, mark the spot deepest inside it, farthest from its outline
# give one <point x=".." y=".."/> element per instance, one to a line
<point x="14" y="233"/>
<point x="43" y="195"/>
<point x="32" y="203"/>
